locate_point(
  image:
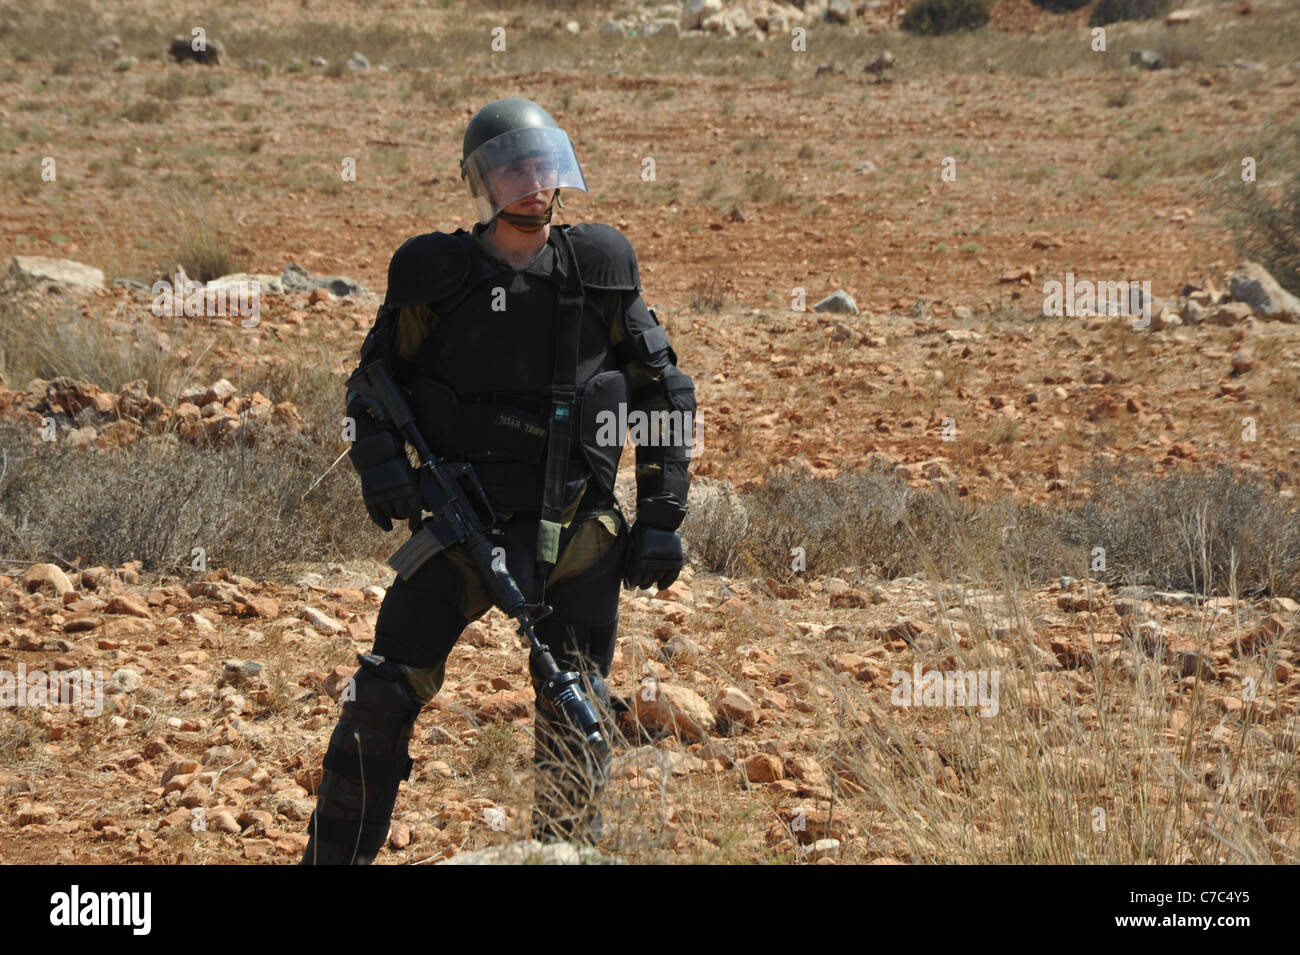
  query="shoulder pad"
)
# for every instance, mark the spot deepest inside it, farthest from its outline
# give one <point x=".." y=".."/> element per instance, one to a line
<point x="427" y="268"/>
<point x="605" y="257"/>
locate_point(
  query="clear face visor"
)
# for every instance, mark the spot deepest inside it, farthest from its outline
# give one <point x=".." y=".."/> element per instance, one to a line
<point x="517" y="164"/>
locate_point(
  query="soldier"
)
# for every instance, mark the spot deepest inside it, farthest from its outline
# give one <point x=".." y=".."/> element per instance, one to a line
<point x="516" y="343"/>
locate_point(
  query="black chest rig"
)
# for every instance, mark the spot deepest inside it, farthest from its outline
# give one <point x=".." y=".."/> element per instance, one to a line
<point x="518" y="375"/>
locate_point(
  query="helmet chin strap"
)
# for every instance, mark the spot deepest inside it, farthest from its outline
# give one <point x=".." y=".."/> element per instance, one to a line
<point x="533" y="223"/>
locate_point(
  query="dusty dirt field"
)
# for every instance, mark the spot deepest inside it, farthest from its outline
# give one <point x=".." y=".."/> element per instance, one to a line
<point x="770" y="179"/>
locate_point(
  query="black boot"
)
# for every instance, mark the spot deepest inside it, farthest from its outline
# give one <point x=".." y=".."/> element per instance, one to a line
<point x="364" y="766"/>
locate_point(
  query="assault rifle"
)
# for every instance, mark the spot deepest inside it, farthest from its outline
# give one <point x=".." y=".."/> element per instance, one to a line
<point x="461" y="514"/>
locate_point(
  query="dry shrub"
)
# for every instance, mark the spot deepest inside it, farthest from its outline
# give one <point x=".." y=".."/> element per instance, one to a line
<point x="1201" y="531"/>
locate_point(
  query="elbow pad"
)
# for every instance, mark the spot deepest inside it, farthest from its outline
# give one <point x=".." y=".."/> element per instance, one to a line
<point x="662" y="466"/>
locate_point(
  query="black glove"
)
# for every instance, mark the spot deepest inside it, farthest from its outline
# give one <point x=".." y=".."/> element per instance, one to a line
<point x="654" y="556"/>
<point x="388" y="482"/>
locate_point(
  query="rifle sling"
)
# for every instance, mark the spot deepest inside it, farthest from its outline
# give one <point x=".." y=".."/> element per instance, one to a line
<point x="563" y="392"/>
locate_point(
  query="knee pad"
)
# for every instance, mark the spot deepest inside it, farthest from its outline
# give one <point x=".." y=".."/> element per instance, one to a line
<point x="366" y="761"/>
<point x="376" y="724"/>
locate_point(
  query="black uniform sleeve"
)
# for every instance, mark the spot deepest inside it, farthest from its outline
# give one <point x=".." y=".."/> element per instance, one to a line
<point x="662" y="413"/>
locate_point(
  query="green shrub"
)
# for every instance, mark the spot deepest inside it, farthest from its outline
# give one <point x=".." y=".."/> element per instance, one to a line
<point x="1112" y="11"/>
<point x="933" y="17"/>
<point x="1062" y="6"/>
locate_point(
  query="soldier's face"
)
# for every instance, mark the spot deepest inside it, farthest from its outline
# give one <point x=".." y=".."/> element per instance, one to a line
<point x="532" y="179"/>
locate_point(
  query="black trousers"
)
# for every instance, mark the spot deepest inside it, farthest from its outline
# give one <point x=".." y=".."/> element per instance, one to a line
<point x="422" y="618"/>
<point x="419" y="623"/>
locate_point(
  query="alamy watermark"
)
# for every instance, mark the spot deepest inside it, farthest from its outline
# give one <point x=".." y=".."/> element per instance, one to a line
<point x="1084" y="297"/>
<point x="75" y="907"/>
<point x="653" y="429"/>
<point x="84" y="688"/>
<point x="946" y="688"/>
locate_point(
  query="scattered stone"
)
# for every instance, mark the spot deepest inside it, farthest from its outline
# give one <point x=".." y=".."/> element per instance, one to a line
<point x="47" y="577"/>
<point x="838" y="11"/>
<point x="807" y="769"/>
<point x="297" y="279"/>
<point x="130" y="604"/>
<point x="322" y="621"/>
<point x="838" y="301"/>
<point x="357" y="61"/>
<point x="1190" y="663"/>
<point x="1127" y="607"/>
<point x="823" y="849"/>
<point x="1253" y="285"/>
<point x="340" y="679"/>
<point x="669" y="708"/>
<point x="532" y="852"/>
<point x="36" y="814"/>
<point x="182" y="48"/>
<point x="1146" y="60"/>
<point x="299" y="810"/>
<point x="764" y="768"/>
<point x="124" y="680"/>
<point x="1270" y="628"/>
<point x="902" y="629"/>
<point x="258" y="850"/>
<point x="737" y="707"/>
<point x="236" y="672"/>
<point x="220" y="820"/>
<point x="848" y="599"/>
<point x="400" y="837"/>
<point x="1231" y="313"/>
<point x="881" y="64"/>
<point x="195" y="794"/>
<point x="256" y="819"/>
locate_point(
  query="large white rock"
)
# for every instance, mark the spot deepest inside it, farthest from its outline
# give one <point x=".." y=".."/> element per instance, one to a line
<point x="65" y="272"/>
<point x="1251" y="283"/>
<point x="265" y="284"/>
<point x="532" y="852"/>
<point x="697" y="11"/>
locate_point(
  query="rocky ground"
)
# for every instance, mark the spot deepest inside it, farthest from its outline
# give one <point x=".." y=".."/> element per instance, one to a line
<point x="745" y="699"/>
<point x="763" y="718"/>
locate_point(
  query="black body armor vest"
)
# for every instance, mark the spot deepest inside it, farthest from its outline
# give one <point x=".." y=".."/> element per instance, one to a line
<point x="518" y="361"/>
